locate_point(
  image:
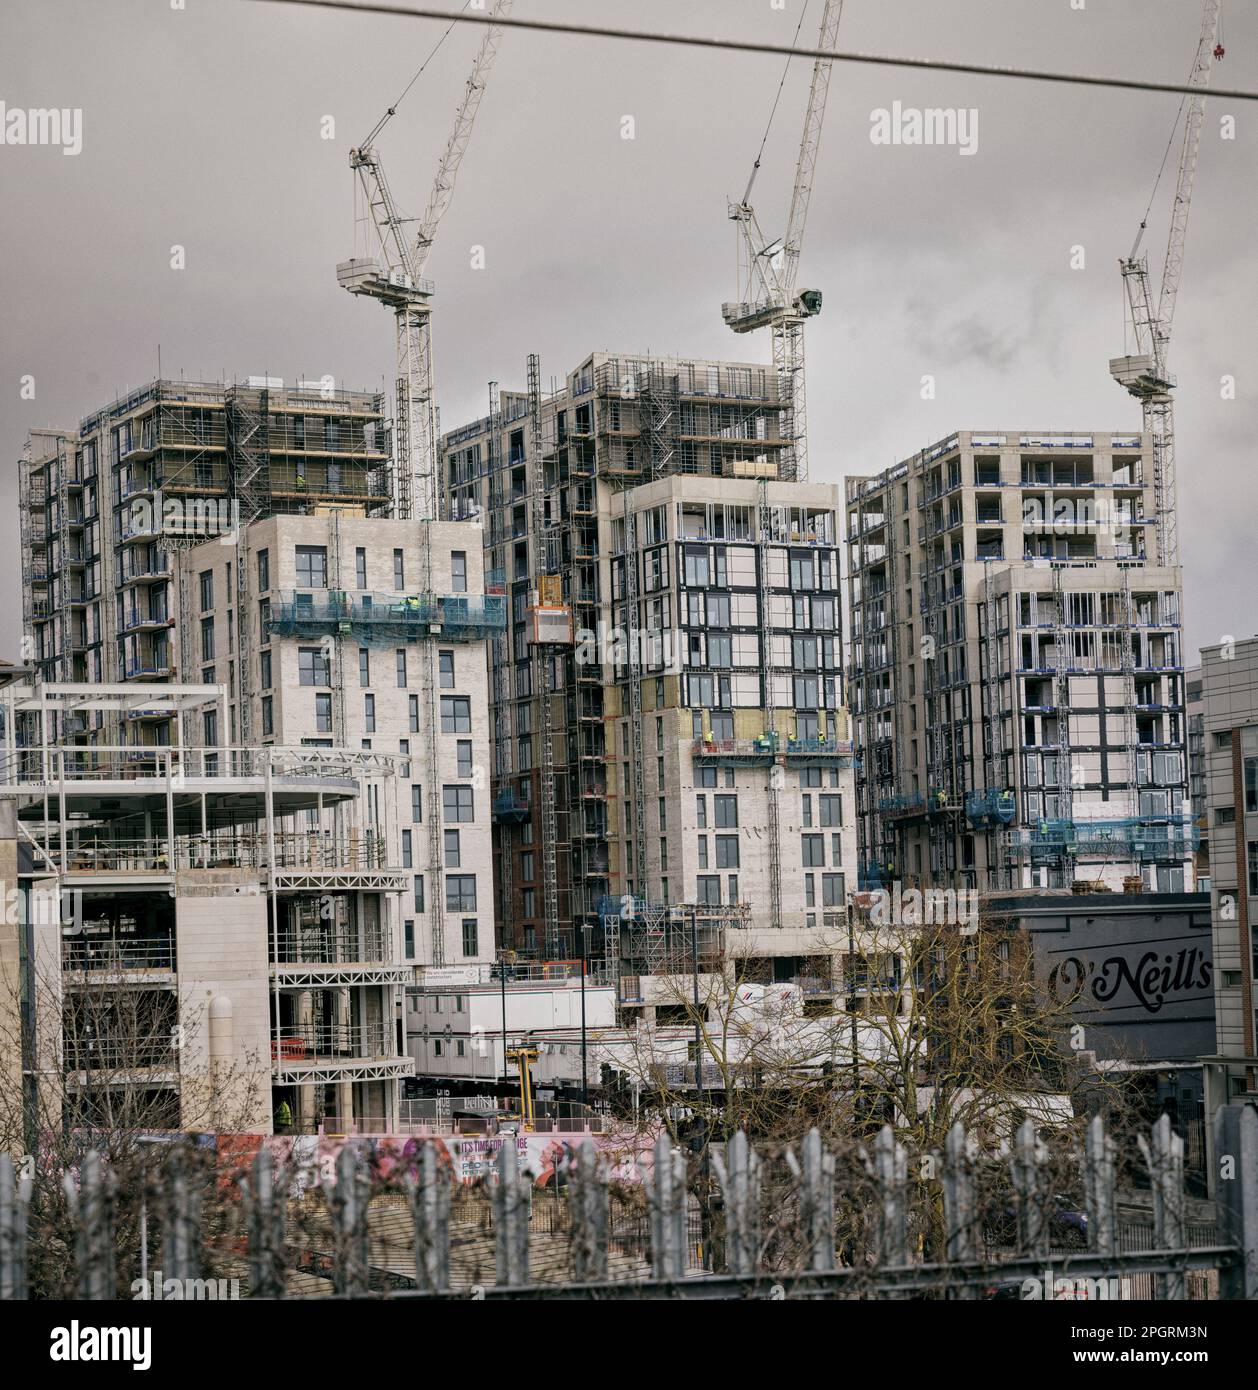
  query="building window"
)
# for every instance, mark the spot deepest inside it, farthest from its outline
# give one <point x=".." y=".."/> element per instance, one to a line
<point x="313" y="667"/>
<point x="417" y="803"/>
<point x="469" y="936"/>
<point x="323" y="714"/>
<point x="458" y="572"/>
<point x="445" y="664"/>
<point x="413" y="710"/>
<point x="408" y="939"/>
<point x="207" y="639"/>
<point x="832" y="894"/>
<point x="264" y="670"/>
<point x="312" y="566"/>
<point x="452" y="855"/>
<point x="708" y="889"/>
<point x="727" y="851"/>
<point x="268" y="717"/>
<point x="364" y="666"/>
<point x="400" y="666"/>
<point x="407" y="848"/>
<point x="1251" y="850"/>
<point x="456" y="714"/>
<point x="360" y="567"/>
<point x="814" y="850"/>
<point x="399" y="570"/>
<point x="701" y="812"/>
<point x="461" y="893"/>
<point x="456" y="804"/>
<point x="703" y="851"/>
<point x="264" y="571"/>
<point x="207" y="590"/>
<point x="419" y="893"/>
<point x="726" y="811"/>
<point x="369" y="713"/>
<point x="464" y="748"/>
<point x="1251" y="785"/>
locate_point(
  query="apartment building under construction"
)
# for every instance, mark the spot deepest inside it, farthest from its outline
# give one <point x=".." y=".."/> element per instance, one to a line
<point x="371" y="635"/>
<point x="670" y="740"/>
<point x="1016" y="666"/>
<point x="104" y="508"/>
<point x="201" y="937"/>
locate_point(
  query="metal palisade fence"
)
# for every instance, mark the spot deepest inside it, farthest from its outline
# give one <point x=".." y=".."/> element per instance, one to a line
<point x="732" y="1223"/>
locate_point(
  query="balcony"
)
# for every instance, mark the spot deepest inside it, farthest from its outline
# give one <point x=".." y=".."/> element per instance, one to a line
<point x="136" y="621"/>
<point x="314" y="1052"/>
<point x="109" y="956"/>
<point x="148" y="1052"/>
<point x="155" y="668"/>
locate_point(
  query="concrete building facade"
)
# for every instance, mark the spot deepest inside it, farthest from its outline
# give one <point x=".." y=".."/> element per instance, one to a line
<point x="206" y="937"/>
<point x="1229" y="677"/>
<point x="372" y="635"/>
<point x="1017" y="679"/>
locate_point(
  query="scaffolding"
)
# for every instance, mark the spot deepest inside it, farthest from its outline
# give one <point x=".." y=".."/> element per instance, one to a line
<point x="637" y="877"/>
<point x="249" y="486"/>
<point x="503" y="759"/>
<point x="1061" y="699"/>
<point x="768" y="657"/>
<point x="543" y="662"/>
<point x="660" y="411"/>
<point x="660" y="938"/>
<point x="996" y="806"/>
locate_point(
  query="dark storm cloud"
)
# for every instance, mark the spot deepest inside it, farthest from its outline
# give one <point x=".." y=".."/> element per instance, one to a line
<point x="202" y="128"/>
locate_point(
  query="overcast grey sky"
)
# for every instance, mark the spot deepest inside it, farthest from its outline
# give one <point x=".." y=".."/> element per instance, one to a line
<point x="202" y="127"/>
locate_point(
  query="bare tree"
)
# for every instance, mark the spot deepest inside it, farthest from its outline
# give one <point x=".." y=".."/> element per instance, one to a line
<point x="118" y="1069"/>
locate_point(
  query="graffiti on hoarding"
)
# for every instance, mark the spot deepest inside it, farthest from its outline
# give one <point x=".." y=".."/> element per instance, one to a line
<point x="471" y="1158"/>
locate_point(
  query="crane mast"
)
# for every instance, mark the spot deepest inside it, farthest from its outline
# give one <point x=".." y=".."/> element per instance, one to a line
<point x="392" y="273"/>
<point x="1145" y="374"/>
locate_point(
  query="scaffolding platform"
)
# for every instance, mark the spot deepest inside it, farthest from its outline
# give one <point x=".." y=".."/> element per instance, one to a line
<point x="387" y="619"/>
<point x="990" y="808"/>
<point x="1175" y="838"/>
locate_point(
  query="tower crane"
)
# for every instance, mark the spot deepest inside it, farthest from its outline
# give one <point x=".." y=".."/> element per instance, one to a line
<point x="394" y="275"/>
<point x="767" y="271"/>
<point x="1144" y="374"/>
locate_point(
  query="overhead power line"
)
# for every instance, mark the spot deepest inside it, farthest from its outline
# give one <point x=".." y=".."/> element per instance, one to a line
<point x="595" y="31"/>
